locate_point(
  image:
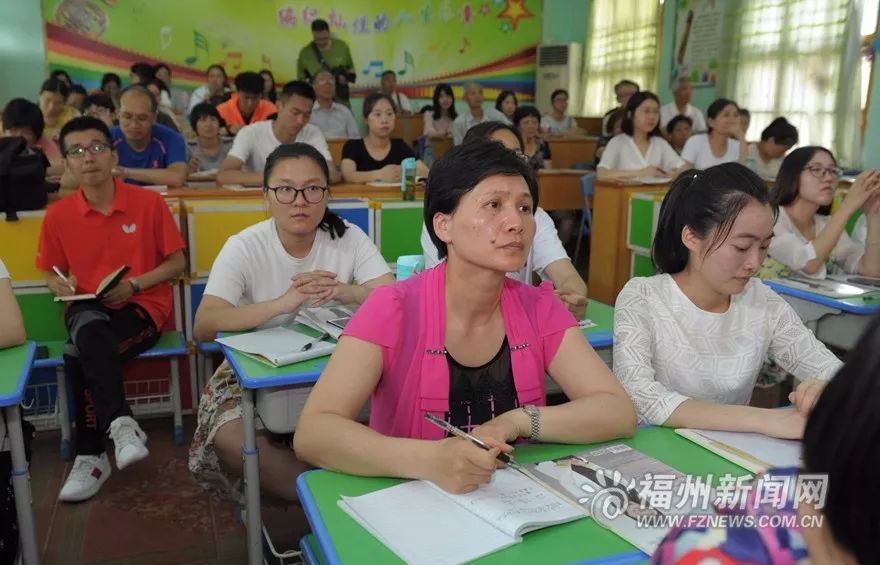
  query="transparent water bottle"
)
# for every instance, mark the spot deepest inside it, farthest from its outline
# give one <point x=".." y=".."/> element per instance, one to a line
<point x="408" y="178"/>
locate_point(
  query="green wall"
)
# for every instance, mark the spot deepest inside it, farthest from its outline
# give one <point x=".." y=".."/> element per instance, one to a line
<point x="22" y="53"/>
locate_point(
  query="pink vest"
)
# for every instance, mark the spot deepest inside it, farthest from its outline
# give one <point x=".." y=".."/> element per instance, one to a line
<point x="409" y="320"/>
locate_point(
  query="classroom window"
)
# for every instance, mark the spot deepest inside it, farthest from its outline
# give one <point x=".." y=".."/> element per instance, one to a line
<point x="795" y="58"/>
<point x="622" y="44"/>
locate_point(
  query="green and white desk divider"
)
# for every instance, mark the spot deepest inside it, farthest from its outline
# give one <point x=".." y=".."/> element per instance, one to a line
<point x="398" y="227"/>
<point x="644" y="213"/>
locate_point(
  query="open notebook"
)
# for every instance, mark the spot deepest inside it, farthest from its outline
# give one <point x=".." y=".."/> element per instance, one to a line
<point x="755" y="452"/>
<point x="330" y="319"/>
<point x="278" y="346"/>
<point x="104" y="286"/>
<point x="421" y="523"/>
<point x="826" y="287"/>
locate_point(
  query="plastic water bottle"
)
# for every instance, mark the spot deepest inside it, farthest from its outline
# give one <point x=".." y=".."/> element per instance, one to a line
<point x="408" y="178"/>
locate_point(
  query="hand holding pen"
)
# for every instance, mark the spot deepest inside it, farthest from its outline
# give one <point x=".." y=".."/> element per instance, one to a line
<point x="66" y="286"/>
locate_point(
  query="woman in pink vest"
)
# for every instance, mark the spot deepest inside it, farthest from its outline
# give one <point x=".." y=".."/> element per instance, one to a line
<point x="463" y="342"/>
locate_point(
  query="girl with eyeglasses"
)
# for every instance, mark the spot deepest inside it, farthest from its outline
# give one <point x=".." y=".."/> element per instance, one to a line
<point x="809" y="240"/>
<point x="303" y="255"/>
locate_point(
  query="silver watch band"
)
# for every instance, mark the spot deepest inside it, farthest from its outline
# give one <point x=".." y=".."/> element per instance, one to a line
<point x="534" y="420"/>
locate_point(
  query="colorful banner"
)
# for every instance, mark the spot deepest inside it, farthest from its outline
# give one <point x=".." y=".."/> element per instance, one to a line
<point x="424" y="41"/>
<point x="698" y="25"/>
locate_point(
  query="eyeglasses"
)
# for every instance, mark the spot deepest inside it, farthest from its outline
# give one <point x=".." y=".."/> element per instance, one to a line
<point x="820" y="172"/>
<point x="78" y="151"/>
<point x="288" y="194"/>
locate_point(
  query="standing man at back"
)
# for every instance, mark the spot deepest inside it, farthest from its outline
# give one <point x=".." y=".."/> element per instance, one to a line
<point x="326" y="53"/>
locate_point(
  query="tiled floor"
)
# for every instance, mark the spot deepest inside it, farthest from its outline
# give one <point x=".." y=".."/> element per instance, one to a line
<point x="152" y="513"/>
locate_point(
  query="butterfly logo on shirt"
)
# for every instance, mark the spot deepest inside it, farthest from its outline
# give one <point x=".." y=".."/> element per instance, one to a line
<point x="129" y="228"/>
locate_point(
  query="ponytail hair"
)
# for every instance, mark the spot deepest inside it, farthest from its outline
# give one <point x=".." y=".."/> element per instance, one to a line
<point x="331" y="223"/>
<point x="705" y="200"/>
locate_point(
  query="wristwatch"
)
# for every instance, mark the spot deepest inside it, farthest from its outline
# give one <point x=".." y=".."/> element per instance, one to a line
<point x="534" y="420"/>
<point x="135" y="286"/>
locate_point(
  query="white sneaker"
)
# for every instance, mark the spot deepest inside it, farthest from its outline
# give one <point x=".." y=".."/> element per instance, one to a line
<point x="129" y="439"/>
<point x="85" y="479"/>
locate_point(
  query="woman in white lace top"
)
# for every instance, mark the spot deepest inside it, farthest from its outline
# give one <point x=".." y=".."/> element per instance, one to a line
<point x="689" y="343"/>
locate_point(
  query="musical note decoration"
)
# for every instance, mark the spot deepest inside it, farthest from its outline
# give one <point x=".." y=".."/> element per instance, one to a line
<point x="378" y="65"/>
<point x="200" y="43"/>
<point x="408" y="62"/>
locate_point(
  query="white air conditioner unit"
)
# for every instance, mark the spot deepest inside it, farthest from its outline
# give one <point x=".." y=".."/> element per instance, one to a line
<point x="559" y="66"/>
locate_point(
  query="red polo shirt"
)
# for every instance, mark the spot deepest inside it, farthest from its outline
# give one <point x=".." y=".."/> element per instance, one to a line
<point x="139" y="232"/>
<point x="232" y="115"/>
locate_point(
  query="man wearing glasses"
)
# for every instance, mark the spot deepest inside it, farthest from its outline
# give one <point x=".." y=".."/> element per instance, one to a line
<point x="148" y="153"/>
<point x="253" y="144"/>
<point x="332" y="118"/>
<point x="104" y="225"/>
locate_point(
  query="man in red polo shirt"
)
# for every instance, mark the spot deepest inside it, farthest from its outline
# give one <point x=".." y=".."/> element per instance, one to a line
<point x="246" y="106"/>
<point x="104" y="225"/>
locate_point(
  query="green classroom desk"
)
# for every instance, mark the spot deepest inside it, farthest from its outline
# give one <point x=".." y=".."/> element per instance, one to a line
<point x="15" y="367"/>
<point x="342" y="540"/>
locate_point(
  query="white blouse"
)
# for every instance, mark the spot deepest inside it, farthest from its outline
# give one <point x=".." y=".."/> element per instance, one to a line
<point x="667" y="350"/>
<point x="622" y="154"/>
<point x="697" y="151"/>
<point x="790" y="247"/>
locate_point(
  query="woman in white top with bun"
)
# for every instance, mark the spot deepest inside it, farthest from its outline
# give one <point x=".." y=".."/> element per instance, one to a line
<point x="810" y="242"/>
<point x="640" y="151"/>
<point x="689" y="343"/>
<point x="11" y="323"/>
<point x="725" y="141"/>
<point x="304" y="255"/>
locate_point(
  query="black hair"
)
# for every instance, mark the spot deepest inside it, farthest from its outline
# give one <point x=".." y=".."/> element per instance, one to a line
<point x="615" y="116"/>
<point x="83" y="123"/>
<point x="463" y="168"/>
<point x="331" y="222"/>
<point x="78" y="89"/>
<point x="143" y="70"/>
<point x="202" y="110"/>
<point x="443" y="88"/>
<point x="744" y="112"/>
<point x="485" y="130"/>
<point x="273" y="95"/>
<point x="111" y="77"/>
<point x="502" y="96"/>
<point x="56" y="85"/>
<point x="373" y="99"/>
<point x="632" y="105"/>
<point x="141" y="89"/>
<point x="158" y="66"/>
<point x="670" y="127"/>
<point x="788" y="179"/>
<point x="525" y="111"/>
<point x="220" y="68"/>
<point x="22" y="113"/>
<point x="705" y="200"/>
<point x="298" y="88"/>
<point x="717" y="107"/>
<point x="626" y="82"/>
<point x="158" y="83"/>
<point x="58" y="73"/>
<point x="781" y="131"/>
<point x="100" y="100"/>
<point x="840" y="442"/>
<point x="320" y="25"/>
<point x="389" y="72"/>
<point x="249" y="82"/>
<point x="556" y="93"/>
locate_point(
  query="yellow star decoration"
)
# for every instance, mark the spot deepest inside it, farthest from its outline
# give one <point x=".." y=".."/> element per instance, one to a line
<point x="514" y="11"/>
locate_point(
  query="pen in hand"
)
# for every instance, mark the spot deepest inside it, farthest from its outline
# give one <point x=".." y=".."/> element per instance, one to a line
<point x="318" y="339"/>
<point x="503" y="457"/>
<point x="63" y="278"/>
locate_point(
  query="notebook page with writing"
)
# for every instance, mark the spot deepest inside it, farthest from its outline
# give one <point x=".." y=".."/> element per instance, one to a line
<point x="515" y="504"/>
<point x="421" y="524"/>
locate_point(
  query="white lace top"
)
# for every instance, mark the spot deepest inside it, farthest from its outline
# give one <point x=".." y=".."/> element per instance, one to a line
<point x="667" y="350"/>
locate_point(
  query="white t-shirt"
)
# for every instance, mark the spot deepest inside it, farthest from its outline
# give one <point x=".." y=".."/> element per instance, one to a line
<point x="669" y="111"/>
<point x="622" y="154"/>
<point x="790" y="247"/>
<point x="254" y="267"/>
<point x="4" y="272"/>
<point x="765" y="170"/>
<point x="255" y="142"/>
<point x="667" y="350"/>
<point x="697" y="151"/>
<point x="546" y="248"/>
<point x="556" y="126"/>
